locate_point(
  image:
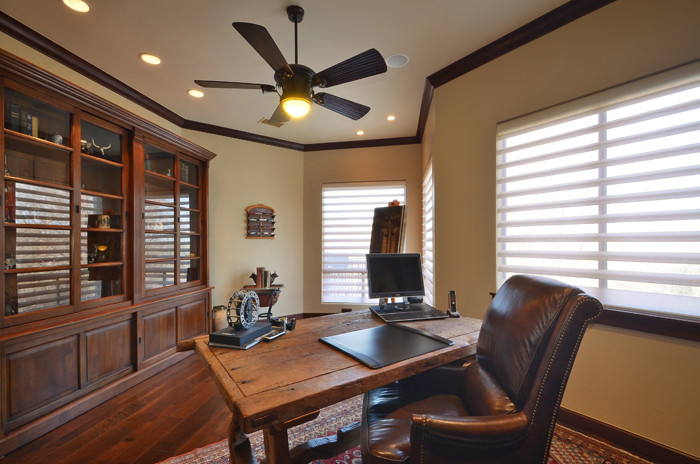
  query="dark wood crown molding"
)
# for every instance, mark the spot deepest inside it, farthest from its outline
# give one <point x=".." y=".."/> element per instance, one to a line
<point x="236" y="134"/>
<point x="535" y="29"/>
<point x="539" y="27"/>
<point x="15" y="68"/>
<point x="19" y="31"/>
<point x="361" y="144"/>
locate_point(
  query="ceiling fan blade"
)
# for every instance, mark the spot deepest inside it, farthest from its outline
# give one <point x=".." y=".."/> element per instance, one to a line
<point x="258" y="37"/>
<point x="347" y="108"/>
<point x="366" y="64"/>
<point x="279" y="116"/>
<point x="235" y="85"/>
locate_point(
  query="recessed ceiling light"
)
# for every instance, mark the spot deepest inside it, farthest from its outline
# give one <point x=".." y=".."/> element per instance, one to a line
<point x="195" y="93"/>
<point x="149" y="58"/>
<point x="360" y="132"/>
<point x="397" y="61"/>
<point x="391" y="117"/>
<point x="77" y="5"/>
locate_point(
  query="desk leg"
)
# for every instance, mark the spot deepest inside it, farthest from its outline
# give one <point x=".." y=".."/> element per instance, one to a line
<point x="276" y="445"/>
<point x="240" y="451"/>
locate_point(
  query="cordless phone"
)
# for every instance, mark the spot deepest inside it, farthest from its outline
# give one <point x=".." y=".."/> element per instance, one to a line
<point x="452" y="311"/>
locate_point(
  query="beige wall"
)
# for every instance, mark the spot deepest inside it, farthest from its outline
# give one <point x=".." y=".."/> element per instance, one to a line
<point x="244" y="174"/>
<point x="352" y="165"/>
<point x="641" y="383"/>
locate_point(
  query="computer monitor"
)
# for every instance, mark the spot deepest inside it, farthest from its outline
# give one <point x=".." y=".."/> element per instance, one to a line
<point x="392" y="275"/>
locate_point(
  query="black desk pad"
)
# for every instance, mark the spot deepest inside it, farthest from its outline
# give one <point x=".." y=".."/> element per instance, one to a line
<point x="386" y="344"/>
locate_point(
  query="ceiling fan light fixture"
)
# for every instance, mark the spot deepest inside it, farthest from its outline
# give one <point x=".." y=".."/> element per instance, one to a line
<point x="149" y="58"/>
<point x="77" y="5"/>
<point x="296" y="106"/>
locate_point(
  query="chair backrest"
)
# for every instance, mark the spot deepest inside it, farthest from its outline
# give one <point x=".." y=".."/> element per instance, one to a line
<point x="532" y="325"/>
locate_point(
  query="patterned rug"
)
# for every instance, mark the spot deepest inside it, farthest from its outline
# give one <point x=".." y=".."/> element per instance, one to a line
<point x="568" y="446"/>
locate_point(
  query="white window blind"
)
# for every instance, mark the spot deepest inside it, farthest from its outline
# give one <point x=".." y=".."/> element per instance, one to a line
<point x="604" y="193"/>
<point x="428" y="254"/>
<point x="347" y="213"/>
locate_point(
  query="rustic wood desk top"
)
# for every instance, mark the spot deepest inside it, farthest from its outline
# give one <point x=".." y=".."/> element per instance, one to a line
<point x="295" y="375"/>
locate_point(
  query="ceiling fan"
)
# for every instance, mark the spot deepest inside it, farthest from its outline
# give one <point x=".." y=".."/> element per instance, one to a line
<point x="296" y="82"/>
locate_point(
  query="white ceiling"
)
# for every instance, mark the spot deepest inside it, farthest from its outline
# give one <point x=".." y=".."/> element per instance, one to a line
<point x="195" y="40"/>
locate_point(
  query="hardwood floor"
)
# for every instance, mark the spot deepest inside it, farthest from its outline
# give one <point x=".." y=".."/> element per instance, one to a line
<point x="169" y="414"/>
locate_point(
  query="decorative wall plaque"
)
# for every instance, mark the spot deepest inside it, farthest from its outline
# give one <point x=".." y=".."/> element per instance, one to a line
<point x="261" y="222"/>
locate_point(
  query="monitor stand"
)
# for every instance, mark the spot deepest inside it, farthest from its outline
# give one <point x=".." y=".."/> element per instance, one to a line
<point x="403" y="305"/>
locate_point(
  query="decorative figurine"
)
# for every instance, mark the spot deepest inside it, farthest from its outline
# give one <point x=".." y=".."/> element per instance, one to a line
<point x="246" y="304"/>
<point x="100" y="150"/>
<point x="103" y="221"/>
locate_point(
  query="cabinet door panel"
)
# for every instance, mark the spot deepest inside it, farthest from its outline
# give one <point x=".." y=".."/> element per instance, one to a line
<point x="108" y="350"/>
<point x="193" y="319"/>
<point x="159" y="332"/>
<point x="41" y="374"/>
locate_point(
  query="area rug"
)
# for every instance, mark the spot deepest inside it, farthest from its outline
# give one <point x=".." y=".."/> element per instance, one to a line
<point x="568" y="446"/>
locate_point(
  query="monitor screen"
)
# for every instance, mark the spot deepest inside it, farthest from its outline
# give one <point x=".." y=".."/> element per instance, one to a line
<point x="394" y="275"/>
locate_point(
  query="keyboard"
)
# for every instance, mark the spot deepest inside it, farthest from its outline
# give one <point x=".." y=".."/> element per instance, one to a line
<point x="414" y="312"/>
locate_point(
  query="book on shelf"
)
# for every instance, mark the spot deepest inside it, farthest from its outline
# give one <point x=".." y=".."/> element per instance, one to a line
<point x="14" y="117"/>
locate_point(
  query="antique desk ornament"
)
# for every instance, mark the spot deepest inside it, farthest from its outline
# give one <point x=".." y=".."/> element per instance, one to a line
<point x="244" y="330"/>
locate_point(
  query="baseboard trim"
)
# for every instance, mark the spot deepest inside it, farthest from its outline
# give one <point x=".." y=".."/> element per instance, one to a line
<point x="642" y="447"/>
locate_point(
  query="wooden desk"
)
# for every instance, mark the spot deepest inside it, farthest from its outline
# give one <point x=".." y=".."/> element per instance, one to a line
<point x="274" y="386"/>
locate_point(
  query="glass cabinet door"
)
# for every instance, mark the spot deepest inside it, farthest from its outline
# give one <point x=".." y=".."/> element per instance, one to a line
<point x="172" y="216"/>
<point x="56" y="188"/>
<point x="159" y="217"/>
<point x="101" y="212"/>
<point x="190" y="215"/>
<point x="37" y="205"/>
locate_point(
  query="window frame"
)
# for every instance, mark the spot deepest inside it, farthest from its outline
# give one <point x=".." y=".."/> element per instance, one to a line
<point x="359" y="186"/>
<point x="621" y="316"/>
<point x="427" y="232"/>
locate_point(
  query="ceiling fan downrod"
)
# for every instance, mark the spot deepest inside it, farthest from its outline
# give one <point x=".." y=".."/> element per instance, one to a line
<point x="295" y="13"/>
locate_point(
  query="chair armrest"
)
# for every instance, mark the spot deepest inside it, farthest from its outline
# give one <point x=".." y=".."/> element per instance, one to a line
<point x="464" y="438"/>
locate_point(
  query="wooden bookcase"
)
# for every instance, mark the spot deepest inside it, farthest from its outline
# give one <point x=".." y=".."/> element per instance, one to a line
<point x="104" y="238"/>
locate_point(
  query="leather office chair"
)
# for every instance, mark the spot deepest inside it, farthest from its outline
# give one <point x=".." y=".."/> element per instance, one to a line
<point x="499" y="407"/>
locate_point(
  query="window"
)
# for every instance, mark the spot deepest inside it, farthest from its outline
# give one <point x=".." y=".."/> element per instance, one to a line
<point x="604" y="193"/>
<point x="347" y="213"/>
<point x="428" y="254"/>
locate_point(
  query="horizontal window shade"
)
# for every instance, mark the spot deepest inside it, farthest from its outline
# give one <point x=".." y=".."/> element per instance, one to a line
<point x="607" y="197"/>
<point x="347" y="212"/>
<point x="427" y="242"/>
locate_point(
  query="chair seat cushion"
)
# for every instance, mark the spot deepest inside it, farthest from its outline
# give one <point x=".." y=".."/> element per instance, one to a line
<point x="387" y="429"/>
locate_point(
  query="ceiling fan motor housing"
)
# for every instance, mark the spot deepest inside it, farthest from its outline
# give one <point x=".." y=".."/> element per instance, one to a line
<point x="295" y="82"/>
<point x="297" y="85"/>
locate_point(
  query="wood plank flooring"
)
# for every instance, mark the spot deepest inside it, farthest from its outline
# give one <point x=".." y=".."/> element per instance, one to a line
<point x="169" y="414"/>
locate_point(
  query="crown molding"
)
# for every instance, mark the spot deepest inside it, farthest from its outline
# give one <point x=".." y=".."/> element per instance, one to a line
<point x="535" y="29"/>
<point x="566" y="13"/>
<point x="236" y="134"/>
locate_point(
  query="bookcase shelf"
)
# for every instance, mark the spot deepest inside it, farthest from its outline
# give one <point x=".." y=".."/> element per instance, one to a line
<point x="104" y="239"/>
